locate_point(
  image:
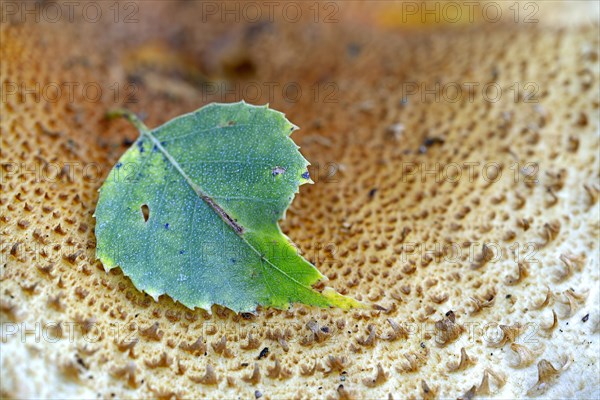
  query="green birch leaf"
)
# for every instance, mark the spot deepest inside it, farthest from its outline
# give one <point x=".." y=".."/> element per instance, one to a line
<point x="191" y="210"/>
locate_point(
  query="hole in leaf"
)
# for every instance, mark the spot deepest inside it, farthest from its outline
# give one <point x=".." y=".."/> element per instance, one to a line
<point x="277" y="171"/>
<point x="145" y="212"/>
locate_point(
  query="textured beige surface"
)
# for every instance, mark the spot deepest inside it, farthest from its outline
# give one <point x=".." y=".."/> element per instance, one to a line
<point x="516" y="318"/>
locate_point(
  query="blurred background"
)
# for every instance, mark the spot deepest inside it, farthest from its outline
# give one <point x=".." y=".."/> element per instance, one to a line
<point x="441" y="125"/>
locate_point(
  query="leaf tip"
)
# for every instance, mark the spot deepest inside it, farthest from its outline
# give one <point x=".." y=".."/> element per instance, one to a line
<point x="337" y="300"/>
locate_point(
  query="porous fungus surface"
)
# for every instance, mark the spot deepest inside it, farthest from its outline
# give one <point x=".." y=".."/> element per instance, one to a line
<point x="470" y="225"/>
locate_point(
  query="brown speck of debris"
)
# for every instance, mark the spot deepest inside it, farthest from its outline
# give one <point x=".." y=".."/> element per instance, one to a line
<point x="263" y="353"/>
<point x="585" y="318"/>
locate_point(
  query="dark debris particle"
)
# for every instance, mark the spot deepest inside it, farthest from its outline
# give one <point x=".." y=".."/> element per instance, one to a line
<point x="263" y="353"/>
<point x="257" y="394"/>
<point x="244" y="364"/>
<point x="422" y="345"/>
<point x="166" y="226"/>
<point x="585" y="318"/>
<point x="181" y="251"/>
<point x="119" y="164"/>
<point x="80" y="361"/>
<point x="140" y="145"/>
<point x="306" y="175"/>
<point x="325" y="329"/>
<point x="428" y="142"/>
<point x="508" y="296"/>
<point x="372" y="192"/>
